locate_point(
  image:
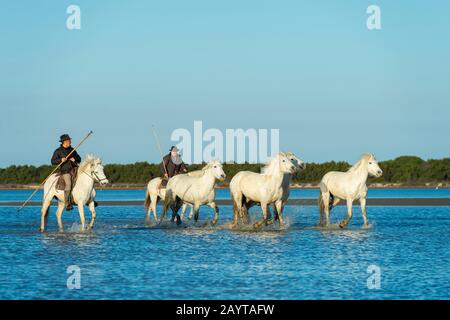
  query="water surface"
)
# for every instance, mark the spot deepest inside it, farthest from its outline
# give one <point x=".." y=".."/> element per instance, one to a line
<point x="122" y="258"/>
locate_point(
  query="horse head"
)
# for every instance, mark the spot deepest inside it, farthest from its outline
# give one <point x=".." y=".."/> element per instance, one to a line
<point x="297" y="162"/>
<point x="215" y="167"/>
<point x="372" y="166"/>
<point x="279" y="163"/>
<point x="93" y="167"/>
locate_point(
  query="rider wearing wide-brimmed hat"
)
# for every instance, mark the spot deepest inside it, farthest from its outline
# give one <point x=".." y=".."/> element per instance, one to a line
<point x="67" y="168"/>
<point x="172" y="165"/>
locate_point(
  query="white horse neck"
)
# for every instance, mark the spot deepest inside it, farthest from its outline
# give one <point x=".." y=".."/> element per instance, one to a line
<point x="208" y="179"/>
<point x="360" y="174"/>
<point x="84" y="181"/>
<point x="276" y="179"/>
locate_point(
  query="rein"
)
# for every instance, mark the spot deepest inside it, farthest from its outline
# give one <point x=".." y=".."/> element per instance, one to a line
<point x="96" y="179"/>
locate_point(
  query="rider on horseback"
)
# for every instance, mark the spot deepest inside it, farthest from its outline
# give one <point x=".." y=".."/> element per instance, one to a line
<point x="68" y="166"/>
<point x="172" y="165"/>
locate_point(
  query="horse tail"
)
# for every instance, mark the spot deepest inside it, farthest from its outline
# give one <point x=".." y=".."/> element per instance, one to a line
<point x="147" y="200"/>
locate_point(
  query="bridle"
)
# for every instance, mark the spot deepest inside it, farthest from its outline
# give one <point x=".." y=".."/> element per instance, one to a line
<point x="94" y="176"/>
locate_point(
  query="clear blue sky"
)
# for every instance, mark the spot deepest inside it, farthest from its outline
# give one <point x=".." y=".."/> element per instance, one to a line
<point x="309" y="68"/>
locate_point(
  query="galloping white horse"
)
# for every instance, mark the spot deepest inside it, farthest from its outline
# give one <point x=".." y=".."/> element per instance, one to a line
<point x="265" y="187"/>
<point x="195" y="190"/>
<point x="299" y="165"/>
<point x="155" y="193"/>
<point x="351" y="185"/>
<point x="83" y="192"/>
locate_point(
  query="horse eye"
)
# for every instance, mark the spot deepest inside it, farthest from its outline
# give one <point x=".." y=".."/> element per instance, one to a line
<point x="215" y="166"/>
<point x="370" y="162"/>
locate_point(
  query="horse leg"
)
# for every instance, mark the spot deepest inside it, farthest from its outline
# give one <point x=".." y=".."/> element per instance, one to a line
<point x="175" y="208"/>
<point x="44" y="215"/>
<point x="167" y="204"/>
<point x="149" y="211"/>
<point x="216" y="213"/>
<point x="196" y="209"/>
<point x="264" y="207"/>
<point x="237" y="208"/>
<point x="326" y="207"/>
<point x="275" y="214"/>
<point x="81" y="212"/>
<point x="278" y="212"/>
<point x="94" y="214"/>
<point x="362" y="201"/>
<point x="59" y="212"/>
<point x="153" y="206"/>
<point x="345" y="222"/>
<point x="191" y="214"/>
<point x="335" y="202"/>
<point x="246" y="205"/>
<point x="183" y="210"/>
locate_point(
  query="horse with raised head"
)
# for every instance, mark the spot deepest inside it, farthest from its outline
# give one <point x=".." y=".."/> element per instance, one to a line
<point x="155" y="193"/>
<point x="265" y="188"/>
<point x="195" y="190"/>
<point x="83" y="192"/>
<point x="350" y="185"/>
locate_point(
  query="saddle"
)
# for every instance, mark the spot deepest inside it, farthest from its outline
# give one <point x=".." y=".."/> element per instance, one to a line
<point x="61" y="184"/>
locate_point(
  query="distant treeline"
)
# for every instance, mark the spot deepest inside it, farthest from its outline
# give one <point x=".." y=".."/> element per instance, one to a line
<point x="405" y="170"/>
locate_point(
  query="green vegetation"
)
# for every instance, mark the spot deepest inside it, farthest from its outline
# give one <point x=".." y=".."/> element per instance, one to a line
<point x="406" y="170"/>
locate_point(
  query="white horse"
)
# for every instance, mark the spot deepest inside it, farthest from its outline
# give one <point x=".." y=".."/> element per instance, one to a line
<point x="155" y="193"/>
<point x="299" y="165"/>
<point x="265" y="188"/>
<point x="83" y="192"/>
<point x="351" y="185"/>
<point x="194" y="190"/>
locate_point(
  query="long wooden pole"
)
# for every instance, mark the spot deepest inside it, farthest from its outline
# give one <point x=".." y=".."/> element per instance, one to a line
<point x="54" y="170"/>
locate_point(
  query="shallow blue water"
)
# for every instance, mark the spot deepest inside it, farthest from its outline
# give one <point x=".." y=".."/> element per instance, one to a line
<point x="122" y="258"/>
<point x="22" y="195"/>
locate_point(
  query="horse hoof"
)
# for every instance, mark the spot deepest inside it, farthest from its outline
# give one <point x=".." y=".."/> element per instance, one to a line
<point x="257" y="225"/>
<point x="214" y="222"/>
<point x="342" y="225"/>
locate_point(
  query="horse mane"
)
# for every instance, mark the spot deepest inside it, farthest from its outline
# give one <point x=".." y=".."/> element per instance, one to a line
<point x="210" y="164"/>
<point x="272" y="165"/>
<point x="88" y="160"/>
<point x="364" y="159"/>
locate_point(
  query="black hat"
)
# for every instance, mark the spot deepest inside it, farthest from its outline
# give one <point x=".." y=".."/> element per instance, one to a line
<point x="64" y="137"/>
<point x="173" y="147"/>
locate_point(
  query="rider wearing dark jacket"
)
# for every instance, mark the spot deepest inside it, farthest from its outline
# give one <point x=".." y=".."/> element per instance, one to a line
<point x="61" y="153"/>
<point x="172" y="165"/>
<point x="68" y="165"/>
